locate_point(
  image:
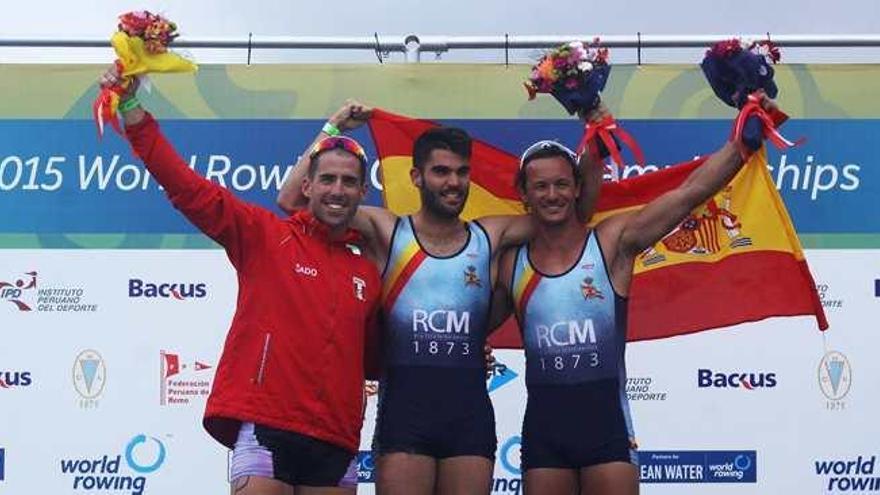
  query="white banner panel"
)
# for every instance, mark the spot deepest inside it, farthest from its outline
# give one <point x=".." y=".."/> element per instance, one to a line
<point x="107" y="358"/>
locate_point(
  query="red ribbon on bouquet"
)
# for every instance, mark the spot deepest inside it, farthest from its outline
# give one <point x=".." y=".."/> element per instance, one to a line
<point x="606" y="130"/>
<point x="771" y="120"/>
<point x="105" y="105"/>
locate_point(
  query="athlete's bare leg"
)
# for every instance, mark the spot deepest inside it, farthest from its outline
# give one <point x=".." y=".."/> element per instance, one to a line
<point x="464" y="475"/>
<point x="400" y="473"/>
<point x="258" y="485"/>
<point x="612" y="478"/>
<point x="551" y="481"/>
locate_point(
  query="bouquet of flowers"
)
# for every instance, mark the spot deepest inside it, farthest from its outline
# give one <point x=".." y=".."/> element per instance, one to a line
<point x="156" y="31"/>
<point x="141" y="45"/>
<point x="739" y="71"/>
<point x="736" y="68"/>
<point x="574" y="73"/>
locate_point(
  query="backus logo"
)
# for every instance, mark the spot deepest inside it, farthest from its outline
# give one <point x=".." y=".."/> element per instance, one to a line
<point x="749" y="381"/>
<point x="12" y="379"/>
<point x="854" y="475"/>
<point x="138" y="288"/>
<point x="16" y="292"/>
<point x="182" y="382"/>
<point x="107" y="473"/>
<point x="725" y="466"/>
<point x="500" y="375"/>
<point x="89" y="377"/>
<point x="509" y="459"/>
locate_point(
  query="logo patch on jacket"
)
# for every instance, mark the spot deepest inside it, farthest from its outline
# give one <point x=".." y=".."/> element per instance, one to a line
<point x="359" y="286"/>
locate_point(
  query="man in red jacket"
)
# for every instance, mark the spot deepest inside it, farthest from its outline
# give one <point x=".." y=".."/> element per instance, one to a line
<point x="288" y="392"/>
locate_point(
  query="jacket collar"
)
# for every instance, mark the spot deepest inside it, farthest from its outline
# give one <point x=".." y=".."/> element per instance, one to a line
<point x="305" y="222"/>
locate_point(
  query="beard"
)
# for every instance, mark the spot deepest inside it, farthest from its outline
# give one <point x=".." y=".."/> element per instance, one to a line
<point x="433" y="202"/>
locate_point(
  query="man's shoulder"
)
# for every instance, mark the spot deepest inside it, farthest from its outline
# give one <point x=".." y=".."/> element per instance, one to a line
<point x="379" y="216"/>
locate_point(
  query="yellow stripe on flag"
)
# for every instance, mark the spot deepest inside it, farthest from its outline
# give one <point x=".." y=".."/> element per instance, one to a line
<point x="739" y="219"/>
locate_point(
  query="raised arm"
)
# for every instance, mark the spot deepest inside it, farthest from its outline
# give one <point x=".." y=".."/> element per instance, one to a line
<point x="376" y="225"/>
<point x="592" y="169"/>
<point x="350" y="115"/>
<point x="591" y="181"/>
<point x="214" y="210"/>
<point x="512" y="230"/>
<point x="627" y="235"/>
<point x="647" y="226"/>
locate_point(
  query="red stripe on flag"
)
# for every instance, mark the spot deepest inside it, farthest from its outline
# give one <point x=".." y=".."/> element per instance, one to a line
<point x="404" y="277"/>
<point x="507" y="336"/>
<point x="496" y="170"/>
<point x="393" y="134"/>
<point x="659" y="298"/>
<point x="747" y="287"/>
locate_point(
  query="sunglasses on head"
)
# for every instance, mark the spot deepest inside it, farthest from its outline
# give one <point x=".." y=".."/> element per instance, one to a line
<point x="545" y="146"/>
<point x="340" y="143"/>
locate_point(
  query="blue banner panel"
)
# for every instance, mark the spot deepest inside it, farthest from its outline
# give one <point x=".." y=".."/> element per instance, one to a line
<point x="56" y="177"/>
<point x="707" y="466"/>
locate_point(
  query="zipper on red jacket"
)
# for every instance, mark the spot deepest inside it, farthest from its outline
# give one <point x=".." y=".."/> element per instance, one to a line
<point x="263" y="359"/>
<point x="331" y="320"/>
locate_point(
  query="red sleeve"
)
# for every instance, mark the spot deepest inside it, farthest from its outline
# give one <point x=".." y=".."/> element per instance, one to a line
<point x="211" y="208"/>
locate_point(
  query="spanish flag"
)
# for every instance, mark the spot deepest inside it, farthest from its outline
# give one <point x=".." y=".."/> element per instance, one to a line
<point x="734" y="259"/>
<point x="492" y="169"/>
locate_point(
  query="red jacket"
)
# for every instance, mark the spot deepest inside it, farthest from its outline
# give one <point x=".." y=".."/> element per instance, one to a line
<point x="294" y="355"/>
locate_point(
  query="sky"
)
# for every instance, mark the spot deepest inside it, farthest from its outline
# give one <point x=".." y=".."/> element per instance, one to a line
<point x="388" y="18"/>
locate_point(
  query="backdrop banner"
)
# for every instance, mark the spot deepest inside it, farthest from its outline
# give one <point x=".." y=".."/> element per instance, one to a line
<point x="103" y="383"/>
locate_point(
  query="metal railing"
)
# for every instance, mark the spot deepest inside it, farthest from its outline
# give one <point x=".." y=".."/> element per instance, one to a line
<point x="412" y="45"/>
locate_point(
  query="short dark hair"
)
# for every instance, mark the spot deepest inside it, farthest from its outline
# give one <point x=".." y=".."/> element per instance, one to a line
<point x="548" y="152"/>
<point x="313" y="164"/>
<point x="441" y="138"/>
